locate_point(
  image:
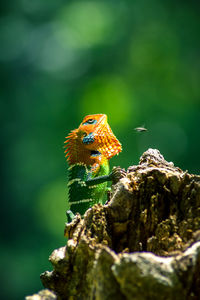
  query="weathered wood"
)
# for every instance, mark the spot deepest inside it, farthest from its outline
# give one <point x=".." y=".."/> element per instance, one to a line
<point x="143" y="244"/>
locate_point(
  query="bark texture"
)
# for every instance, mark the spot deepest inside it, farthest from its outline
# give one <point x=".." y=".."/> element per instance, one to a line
<point x="143" y="244"/>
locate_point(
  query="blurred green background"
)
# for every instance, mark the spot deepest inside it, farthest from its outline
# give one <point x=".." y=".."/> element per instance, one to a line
<point x="137" y="61"/>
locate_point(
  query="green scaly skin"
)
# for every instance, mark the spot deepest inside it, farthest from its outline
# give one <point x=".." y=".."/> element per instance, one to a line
<point x="86" y="187"/>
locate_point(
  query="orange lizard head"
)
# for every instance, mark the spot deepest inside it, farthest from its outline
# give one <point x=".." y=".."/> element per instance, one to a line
<point x="94" y="135"/>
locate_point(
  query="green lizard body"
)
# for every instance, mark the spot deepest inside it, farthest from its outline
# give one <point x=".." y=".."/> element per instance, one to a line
<point x="89" y="149"/>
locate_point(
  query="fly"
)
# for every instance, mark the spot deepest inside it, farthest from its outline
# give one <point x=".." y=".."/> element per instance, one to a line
<point x="140" y="129"/>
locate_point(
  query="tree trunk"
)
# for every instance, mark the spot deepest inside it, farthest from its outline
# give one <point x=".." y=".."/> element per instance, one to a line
<point x="143" y="244"/>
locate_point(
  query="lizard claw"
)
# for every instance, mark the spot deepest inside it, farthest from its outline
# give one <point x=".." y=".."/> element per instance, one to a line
<point x="117" y="173"/>
<point x="70" y="215"/>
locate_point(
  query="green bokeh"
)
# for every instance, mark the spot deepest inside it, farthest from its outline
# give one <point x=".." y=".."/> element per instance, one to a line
<point x="136" y="61"/>
<point x="100" y="94"/>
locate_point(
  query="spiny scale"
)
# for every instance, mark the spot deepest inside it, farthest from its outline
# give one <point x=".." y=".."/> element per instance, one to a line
<point x="106" y="141"/>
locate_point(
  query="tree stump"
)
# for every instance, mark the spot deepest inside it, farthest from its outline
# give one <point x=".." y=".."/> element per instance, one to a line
<point x="144" y="243"/>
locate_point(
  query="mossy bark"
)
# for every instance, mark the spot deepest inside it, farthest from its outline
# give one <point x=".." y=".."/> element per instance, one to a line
<point x="143" y="244"/>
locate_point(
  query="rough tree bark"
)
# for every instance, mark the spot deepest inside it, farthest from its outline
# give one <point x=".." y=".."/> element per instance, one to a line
<point x="143" y="244"/>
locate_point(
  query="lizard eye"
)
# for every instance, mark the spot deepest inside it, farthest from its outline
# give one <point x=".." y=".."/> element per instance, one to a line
<point x="90" y="121"/>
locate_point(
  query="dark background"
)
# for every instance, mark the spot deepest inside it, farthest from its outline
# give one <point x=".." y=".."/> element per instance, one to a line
<point x="137" y="61"/>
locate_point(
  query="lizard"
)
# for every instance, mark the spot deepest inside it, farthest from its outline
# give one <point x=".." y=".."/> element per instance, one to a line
<point x="88" y="151"/>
